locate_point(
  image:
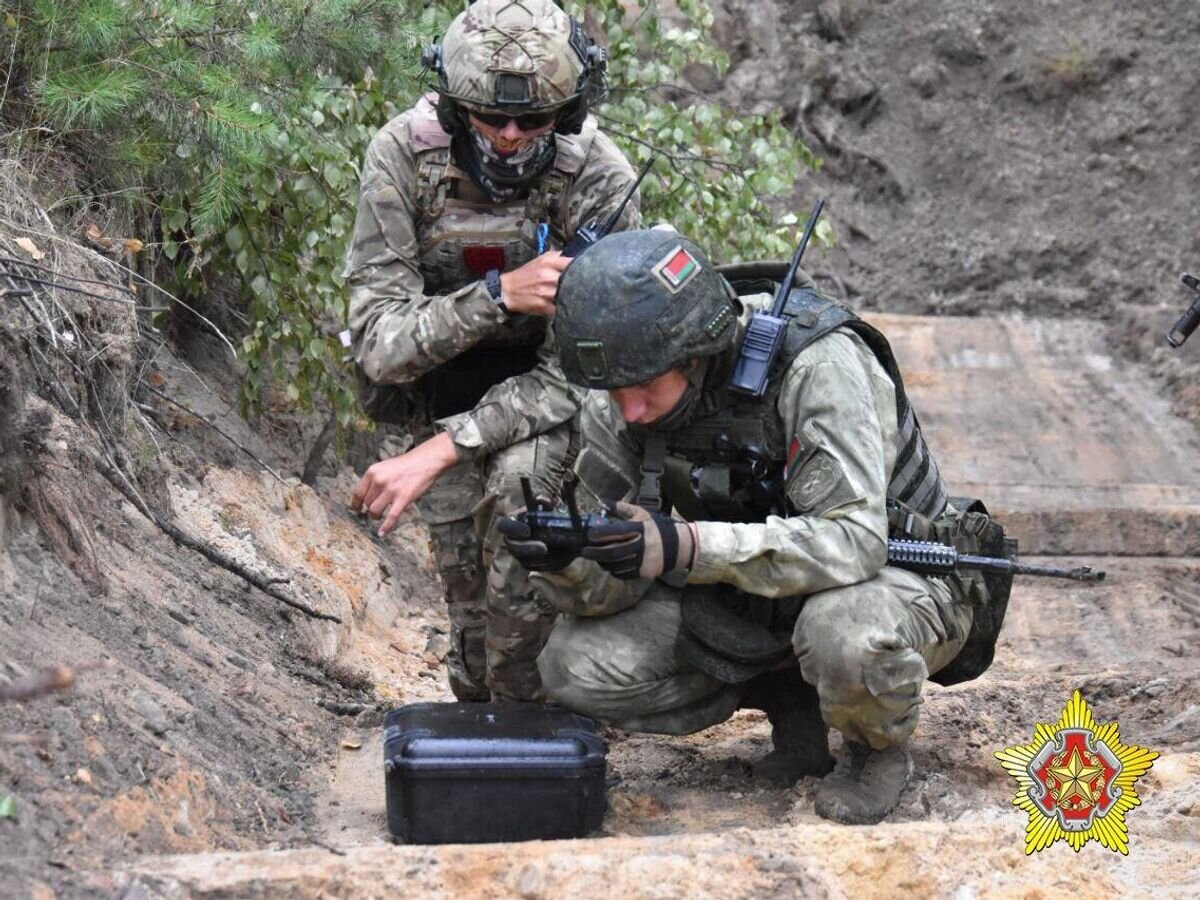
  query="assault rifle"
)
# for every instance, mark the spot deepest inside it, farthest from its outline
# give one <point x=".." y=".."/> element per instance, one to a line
<point x="594" y="230"/>
<point x="927" y="558"/>
<point x="568" y="531"/>
<point x="764" y="335"/>
<point x="1189" y="320"/>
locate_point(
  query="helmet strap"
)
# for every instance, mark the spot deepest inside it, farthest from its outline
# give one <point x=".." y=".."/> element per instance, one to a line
<point x="681" y="414"/>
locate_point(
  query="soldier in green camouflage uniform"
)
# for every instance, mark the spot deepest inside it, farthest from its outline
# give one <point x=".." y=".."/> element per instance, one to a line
<point x="449" y="299"/>
<point x="781" y="512"/>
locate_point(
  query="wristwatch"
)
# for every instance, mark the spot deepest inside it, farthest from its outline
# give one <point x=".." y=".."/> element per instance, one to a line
<point x="492" y="280"/>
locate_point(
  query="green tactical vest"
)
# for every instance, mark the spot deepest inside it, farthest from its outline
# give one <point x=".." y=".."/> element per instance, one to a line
<point x="728" y="463"/>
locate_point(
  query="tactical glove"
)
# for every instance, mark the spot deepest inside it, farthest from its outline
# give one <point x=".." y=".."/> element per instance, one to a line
<point x="535" y="555"/>
<point x="637" y="543"/>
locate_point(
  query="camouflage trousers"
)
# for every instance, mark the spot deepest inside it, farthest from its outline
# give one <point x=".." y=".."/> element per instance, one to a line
<point x="497" y="624"/>
<point x="867" y="649"/>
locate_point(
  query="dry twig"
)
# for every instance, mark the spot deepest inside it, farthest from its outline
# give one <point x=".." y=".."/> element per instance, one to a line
<point x="217" y="429"/>
<point x="13" y="739"/>
<point x="125" y="269"/>
<point x="312" y="466"/>
<point x="265" y="584"/>
<point x="46" y="681"/>
<point x="343" y="708"/>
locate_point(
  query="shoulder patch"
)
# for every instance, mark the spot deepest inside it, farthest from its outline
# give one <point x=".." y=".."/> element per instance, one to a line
<point x="813" y="482"/>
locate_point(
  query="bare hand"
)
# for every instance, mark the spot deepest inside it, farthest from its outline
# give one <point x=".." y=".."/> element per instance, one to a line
<point x="388" y="487"/>
<point x="530" y="289"/>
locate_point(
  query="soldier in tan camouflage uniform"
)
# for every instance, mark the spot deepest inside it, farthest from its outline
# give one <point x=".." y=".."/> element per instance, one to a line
<point x="449" y="298"/>
<point x="768" y="588"/>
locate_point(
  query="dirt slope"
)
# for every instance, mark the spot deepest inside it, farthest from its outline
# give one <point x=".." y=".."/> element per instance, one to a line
<point x="987" y="156"/>
<point x="194" y="723"/>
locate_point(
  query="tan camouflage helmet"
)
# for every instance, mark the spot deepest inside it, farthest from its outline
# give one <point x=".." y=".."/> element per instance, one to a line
<point x="516" y="54"/>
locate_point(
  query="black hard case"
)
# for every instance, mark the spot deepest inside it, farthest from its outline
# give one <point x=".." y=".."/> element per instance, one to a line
<point x="480" y="772"/>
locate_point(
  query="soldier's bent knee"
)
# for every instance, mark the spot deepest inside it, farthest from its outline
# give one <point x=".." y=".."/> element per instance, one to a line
<point x="558" y="664"/>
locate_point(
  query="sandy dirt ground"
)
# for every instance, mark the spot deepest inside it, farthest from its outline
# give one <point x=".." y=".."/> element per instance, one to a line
<point x="1128" y="644"/>
<point x="1023" y="162"/>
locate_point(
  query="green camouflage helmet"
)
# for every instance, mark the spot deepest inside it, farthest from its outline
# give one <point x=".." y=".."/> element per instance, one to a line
<point x="638" y="304"/>
<point x="501" y="54"/>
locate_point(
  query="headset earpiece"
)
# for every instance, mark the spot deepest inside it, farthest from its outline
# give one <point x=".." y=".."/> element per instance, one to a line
<point x="449" y="116"/>
<point x="431" y="58"/>
<point x="590" y="85"/>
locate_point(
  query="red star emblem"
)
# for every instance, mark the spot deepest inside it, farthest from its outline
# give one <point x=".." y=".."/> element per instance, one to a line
<point x="1076" y="779"/>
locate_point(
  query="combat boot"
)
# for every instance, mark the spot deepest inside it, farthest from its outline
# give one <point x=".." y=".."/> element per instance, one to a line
<point x="865" y="786"/>
<point x="798" y="733"/>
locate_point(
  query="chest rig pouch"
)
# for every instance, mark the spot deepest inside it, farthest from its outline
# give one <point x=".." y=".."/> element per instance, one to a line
<point x="967" y="526"/>
<point x="728" y="464"/>
<point x="460" y="236"/>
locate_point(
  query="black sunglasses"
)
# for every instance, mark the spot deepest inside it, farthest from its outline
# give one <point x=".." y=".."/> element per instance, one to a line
<point x="526" y="121"/>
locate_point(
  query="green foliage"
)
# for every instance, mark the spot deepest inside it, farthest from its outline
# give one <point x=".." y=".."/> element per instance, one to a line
<point x="290" y="227"/>
<point x="194" y="93"/>
<point x="240" y="128"/>
<point x="725" y="165"/>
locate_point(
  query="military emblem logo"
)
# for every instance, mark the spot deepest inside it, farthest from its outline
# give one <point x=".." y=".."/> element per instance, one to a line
<point x="676" y="269"/>
<point x="1076" y="780"/>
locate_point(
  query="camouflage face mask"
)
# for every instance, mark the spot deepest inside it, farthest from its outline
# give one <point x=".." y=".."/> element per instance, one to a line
<point x="505" y="178"/>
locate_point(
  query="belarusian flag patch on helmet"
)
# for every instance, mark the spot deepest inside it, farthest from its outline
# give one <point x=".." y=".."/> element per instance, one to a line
<point x="676" y="269"/>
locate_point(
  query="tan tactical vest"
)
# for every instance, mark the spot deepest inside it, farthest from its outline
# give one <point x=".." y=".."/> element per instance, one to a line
<point x="461" y="235"/>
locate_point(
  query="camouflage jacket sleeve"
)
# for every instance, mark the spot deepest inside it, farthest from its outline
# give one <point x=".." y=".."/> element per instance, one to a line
<point x="608" y="467"/>
<point x="516" y="408"/>
<point x="537" y="401"/>
<point x="838" y="409"/>
<point x="399" y="333"/>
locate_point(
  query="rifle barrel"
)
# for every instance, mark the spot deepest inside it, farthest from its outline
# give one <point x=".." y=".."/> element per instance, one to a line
<point x="1079" y="573"/>
<point x="995" y="564"/>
